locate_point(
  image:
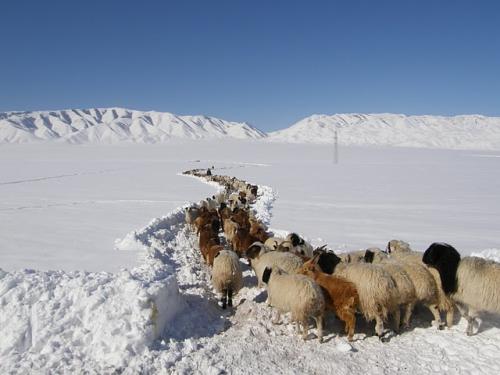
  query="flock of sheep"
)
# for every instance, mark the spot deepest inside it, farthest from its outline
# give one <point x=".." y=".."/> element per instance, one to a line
<point x="307" y="282"/>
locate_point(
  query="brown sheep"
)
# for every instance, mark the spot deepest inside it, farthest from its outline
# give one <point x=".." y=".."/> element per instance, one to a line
<point x="343" y="296"/>
<point x="242" y="241"/>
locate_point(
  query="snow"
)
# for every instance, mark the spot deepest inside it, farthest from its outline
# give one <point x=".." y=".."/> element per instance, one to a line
<point x="466" y="132"/>
<point x="114" y="125"/>
<point x="160" y="314"/>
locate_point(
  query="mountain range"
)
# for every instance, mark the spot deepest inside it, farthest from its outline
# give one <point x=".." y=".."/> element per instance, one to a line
<point x="115" y="125"/>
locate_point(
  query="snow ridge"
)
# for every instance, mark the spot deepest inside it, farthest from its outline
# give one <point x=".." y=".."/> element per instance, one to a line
<point x="445" y="132"/>
<point x="113" y="125"/>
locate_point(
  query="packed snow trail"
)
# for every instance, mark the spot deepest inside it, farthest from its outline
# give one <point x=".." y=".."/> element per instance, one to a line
<point x="162" y="317"/>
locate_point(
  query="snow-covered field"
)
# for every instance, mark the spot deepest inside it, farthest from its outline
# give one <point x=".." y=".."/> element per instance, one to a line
<point x="64" y="206"/>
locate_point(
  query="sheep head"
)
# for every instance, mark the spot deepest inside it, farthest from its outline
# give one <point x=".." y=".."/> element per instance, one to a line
<point x="445" y="258"/>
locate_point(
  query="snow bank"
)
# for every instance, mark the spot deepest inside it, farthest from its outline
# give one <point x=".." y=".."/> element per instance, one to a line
<point x="58" y="319"/>
<point x="62" y="318"/>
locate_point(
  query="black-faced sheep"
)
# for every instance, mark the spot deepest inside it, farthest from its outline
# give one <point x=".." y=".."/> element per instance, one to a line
<point x="260" y="258"/>
<point x="297" y="294"/>
<point x="472" y="283"/>
<point x="227" y="278"/>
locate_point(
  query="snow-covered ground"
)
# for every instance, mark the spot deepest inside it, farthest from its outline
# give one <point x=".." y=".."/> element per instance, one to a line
<point x="161" y="317"/>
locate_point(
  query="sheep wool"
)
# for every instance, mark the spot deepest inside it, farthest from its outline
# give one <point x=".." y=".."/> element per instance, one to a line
<point x="297" y="294"/>
<point x="227" y="278"/>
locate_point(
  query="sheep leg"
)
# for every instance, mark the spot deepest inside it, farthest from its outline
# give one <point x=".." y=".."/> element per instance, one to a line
<point x="276" y="319"/>
<point x="437" y="316"/>
<point x="465" y="314"/>
<point x="305" y="331"/>
<point x="379" y="327"/>
<point x="449" y="316"/>
<point x="407" y="315"/>
<point x="397" y="319"/>
<point x="349" y="318"/>
<point x="319" y="326"/>
<point x="224" y="298"/>
<point x="230" y="297"/>
<point x="471" y="322"/>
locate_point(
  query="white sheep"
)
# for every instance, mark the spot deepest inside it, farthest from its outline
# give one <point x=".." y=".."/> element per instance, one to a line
<point x="297" y="294"/>
<point x="404" y="285"/>
<point x="212" y="203"/>
<point x="260" y="258"/>
<point x="472" y="283"/>
<point x="300" y="246"/>
<point x="190" y="215"/>
<point x="221" y="197"/>
<point x="272" y="243"/>
<point x="377" y="291"/>
<point x="227" y="278"/>
<point x="433" y="295"/>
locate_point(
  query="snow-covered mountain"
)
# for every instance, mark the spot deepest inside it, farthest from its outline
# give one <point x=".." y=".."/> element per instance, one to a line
<point x="113" y="125"/>
<point x="457" y="132"/>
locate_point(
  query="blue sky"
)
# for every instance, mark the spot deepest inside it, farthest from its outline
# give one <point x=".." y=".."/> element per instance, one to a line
<point x="270" y="63"/>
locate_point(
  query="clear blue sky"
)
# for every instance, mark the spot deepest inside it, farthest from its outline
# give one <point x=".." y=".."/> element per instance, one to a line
<point x="270" y="63"/>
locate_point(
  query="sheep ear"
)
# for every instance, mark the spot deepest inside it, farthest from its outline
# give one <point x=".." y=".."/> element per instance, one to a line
<point x="266" y="275"/>
<point x="369" y="255"/>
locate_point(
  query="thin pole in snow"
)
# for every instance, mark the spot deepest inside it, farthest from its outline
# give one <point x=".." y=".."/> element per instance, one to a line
<point x="336" y="148"/>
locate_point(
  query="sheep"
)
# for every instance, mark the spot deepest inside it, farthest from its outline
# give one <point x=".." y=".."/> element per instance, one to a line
<point x="221" y="197"/>
<point x="204" y="218"/>
<point x="212" y="203"/>
<point x="227" y="278"/>
<point x="299" y="245"/>
<point x="260" y="258"/>
<point x="230" y="229"/>
<point x="257" y="230"/>
<point x="296" y="294"/>
<point x="343" y="297"/>
<point x="190" y="215"/>
<point x="208" y="237"/>
<point x="211" y="252"/>
<point x="434" y="295"/>
<point x="404" y="284"/>
<point x="272" y="243"/>
<point x="376" y="288"/>
<point x="240" y="216"/>
<point x="242" y="240"/>
<point x="472" y="283"/>
<point x="233" y="200"/>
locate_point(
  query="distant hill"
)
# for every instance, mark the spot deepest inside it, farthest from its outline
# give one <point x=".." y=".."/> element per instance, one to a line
<point x="456" y="132"/>
<point x="113" y="125"/>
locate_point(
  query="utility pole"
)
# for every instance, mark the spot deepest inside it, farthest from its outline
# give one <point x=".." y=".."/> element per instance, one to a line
<point x="336" y="148"/>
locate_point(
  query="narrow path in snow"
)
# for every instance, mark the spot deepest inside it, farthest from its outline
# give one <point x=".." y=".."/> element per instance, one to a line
<point x="205" y="339"/>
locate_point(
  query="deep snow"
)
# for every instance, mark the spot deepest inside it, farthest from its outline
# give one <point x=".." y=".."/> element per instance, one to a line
<point x="161" y="316"/>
